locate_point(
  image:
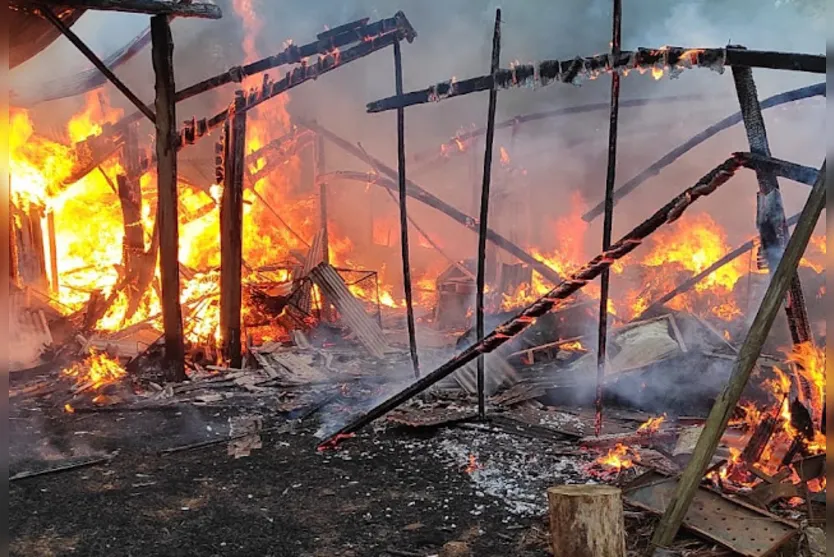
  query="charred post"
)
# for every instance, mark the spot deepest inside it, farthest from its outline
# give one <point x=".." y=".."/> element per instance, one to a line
<point x="321" y="169"/>
<point x="749" y="352"/>
<point x="167" y="214"/>
<point x="484" y="214"/>
<point x="403" y="197"/>
<point x="231" y="234"/>
<point x="53" y="252"/>
<point x="770" y="217"/>
<point x="14" y="257"/>
<point x="608" y="221"/>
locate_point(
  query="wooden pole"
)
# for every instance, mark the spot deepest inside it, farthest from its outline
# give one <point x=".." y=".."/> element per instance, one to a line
<point x="484" y="215"/>
<point x="750" y="350"/>
<point x="586" y="521"/>
<point x="167" y="214"/>
<point x="14" y="257"/>
<point x="321" y="169"/>
<point x="608" y="221"/>
<point x="403" y="197"/>
<point x="770" y="214"/>
<point x="53" y="252"/>
<point x="231" y="234"/>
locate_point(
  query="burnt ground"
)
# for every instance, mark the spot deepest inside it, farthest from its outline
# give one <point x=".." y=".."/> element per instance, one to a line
<point x="389" y="488"/>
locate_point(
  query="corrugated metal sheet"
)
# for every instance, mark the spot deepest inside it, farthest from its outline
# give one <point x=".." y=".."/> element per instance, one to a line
<point x="367" y="330"/>
<point x="497" y="374"/>
<point x="314" y="257"/>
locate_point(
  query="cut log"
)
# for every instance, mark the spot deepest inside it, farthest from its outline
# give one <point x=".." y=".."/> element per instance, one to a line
<point x="586" y="521"/>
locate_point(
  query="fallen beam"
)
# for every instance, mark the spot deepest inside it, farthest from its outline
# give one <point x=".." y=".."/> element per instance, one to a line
<point x="429" y="199"/>
<point x="579" y="279"/>
<point x="695" y="279"/>
<point x="784" y="169"/>
<point x="672" y="59"/>
<point x="749" y="352"/>
<point x="150" y="7"/>
<point x="654" y="169"/>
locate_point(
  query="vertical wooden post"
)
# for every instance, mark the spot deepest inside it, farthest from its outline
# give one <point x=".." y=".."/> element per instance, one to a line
<point x="231" y="233"/>
<point x="484" y="214"/>
<point x="608" y="221"/>
<point x="749" y="352"/>
<point x="770" y="217"/>
<point x="409" y="298"/>
<point x="53" y="252"/>
<point x="14" y="260"/>
<point x="321" y="169"/>
<point x="162" y="53"/>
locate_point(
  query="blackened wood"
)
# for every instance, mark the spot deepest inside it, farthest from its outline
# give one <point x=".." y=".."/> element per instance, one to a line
<point x="403" y="197"/>
<point x="671" y="59"/>
<point x="130" y="197"/>
<point x="608" y="221"/>
<point x="231" y="234"/>
<point x="321" y="169"/>
<point x="749" y="352"/>
<point x="14" y="257"/>
<point x="770" y="212"/>
<point x="758" y="441"/>
<point x="424" y="196"/>
<point x="784" y="169"/>
<point x="575" y="282"/>
<point x="695" y="279"/>
<point x="654" y="169"/>
<point x="91" y="56"/>
<point x="53" y="252"/>
<point x="150" y="7"/>
<point x="167" y="213"/>
<point x="480" y="277"/>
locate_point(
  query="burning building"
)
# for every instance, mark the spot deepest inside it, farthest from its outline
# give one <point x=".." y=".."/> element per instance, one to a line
<point x="151" y="266"/>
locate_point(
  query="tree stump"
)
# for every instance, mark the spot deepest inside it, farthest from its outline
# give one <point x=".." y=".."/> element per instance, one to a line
<point x="586" y="521"/>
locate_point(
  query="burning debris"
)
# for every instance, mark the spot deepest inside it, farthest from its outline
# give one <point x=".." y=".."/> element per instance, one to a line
<point x="139" y="290"/>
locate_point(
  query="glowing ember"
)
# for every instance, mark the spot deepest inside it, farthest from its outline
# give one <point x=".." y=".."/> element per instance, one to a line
<point x="95" y="372"/>
<point x="473" y="465"/>
<point x="69" y="409"/>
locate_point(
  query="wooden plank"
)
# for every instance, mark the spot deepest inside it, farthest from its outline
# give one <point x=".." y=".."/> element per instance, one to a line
<point x="162" y="53"/>
<point x="150" y="7"/>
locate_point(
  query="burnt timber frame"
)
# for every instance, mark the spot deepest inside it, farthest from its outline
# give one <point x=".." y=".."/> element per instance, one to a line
<point x="148" y="7"/>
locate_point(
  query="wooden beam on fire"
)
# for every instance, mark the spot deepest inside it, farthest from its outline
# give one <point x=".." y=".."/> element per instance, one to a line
<point x="672" y="59"/>
<point x="480" y="276"/>
<point x="749" y="352"/>
<point x="231" y="233"/>
<point x="575" y="282"/>
<point x="150" y="7"/>
<point x="654" y="169"/>
<point x="162" y="53"/>
<point x="608" y="221"/>
<point x="770" y="213"/>
<point x="101" y="147"/>
<point x="420" y="194"/>
<point x="50" y="16"/>
<point x="690" y="283"/>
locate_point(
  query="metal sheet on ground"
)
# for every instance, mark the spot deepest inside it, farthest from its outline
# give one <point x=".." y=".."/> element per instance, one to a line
<point x="737" y="526"/>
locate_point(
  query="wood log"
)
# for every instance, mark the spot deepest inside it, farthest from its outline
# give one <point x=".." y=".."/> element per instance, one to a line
<point x="758" y="441"/>
<point x="586" y="521"/>
<point x="150" y="7"/>
<point x="167" y="219"/>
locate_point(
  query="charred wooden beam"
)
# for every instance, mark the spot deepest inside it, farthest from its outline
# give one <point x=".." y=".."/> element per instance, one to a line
<point x="103" y="146"/>
<point x="608" y="222"/>
<point x="671" y="59"/>
<point x="480" y="277"/>
<point x="654" y="169"/>
<point x="527" y="317"/>
<point x="53" y="252"/>
<point x="231" y="233"/>
<point x="695" y="279"/>
<point x="150" y="7"/>
<point x="783" y="169"/>
<point x="14" y="256"/>
<point x="420" y="194"/>
<point x="195" y="129"/>
<point x="403" y="206"/>
<point x="48" y="14"/>
<point x="162" y="53"/>
<point x="749" y="352"/>
<point x="770" y="214"/>
<point x="759" y="440"/>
